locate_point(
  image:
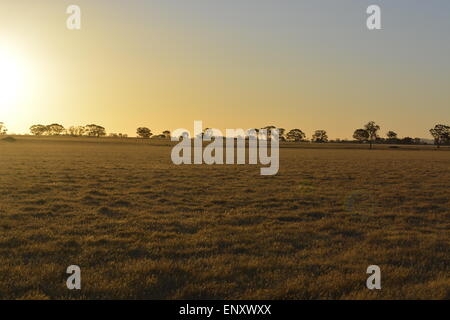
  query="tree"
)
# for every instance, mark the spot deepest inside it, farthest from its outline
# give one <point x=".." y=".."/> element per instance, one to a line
<point x="407" y="140"/>
<point x="38" y="129"/>
<point x="296" y="135"/>
<point x="441" y="134"/>
<point x="268" y="131"/>
<point x="361" y="135"/>
<point x="3" y="129"/>
<point x="144" y="133"/>
<point x="281" y="134"/>
<point x="166" y="134"/>
<point x="185" y="135"/>
<point x="76" y="131"/>
<point x="392" y="136"/>
<point x="207" y="133"/>
<point x="254" y="132"/>
<point x="94" y="130"/>
<point x="320" y="136"/>
<point x="372" y="129"/>
<point x="55" y="129"/>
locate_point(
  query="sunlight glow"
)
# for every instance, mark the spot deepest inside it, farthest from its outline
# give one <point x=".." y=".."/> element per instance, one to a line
<point x="12" y="79"/>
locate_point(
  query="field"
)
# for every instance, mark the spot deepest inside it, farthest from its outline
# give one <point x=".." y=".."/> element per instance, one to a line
<point x="142" y="228"/>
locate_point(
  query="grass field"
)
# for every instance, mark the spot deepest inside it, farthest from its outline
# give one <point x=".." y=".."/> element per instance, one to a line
<point x="141" y="227"/>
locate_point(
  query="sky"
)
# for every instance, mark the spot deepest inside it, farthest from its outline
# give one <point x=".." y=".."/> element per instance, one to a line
<point x="307" y="64"/>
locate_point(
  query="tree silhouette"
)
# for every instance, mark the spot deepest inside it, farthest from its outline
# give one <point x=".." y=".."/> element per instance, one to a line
<point x="166" y="134"/>
<point x="441" y="134"/>
<point x="55" y="129"/>
<point x="3" y="129"/>
<point x="361" y="135"/>
<point x="207" y="133"/>
<point x="407" y="140"/>
<point x="253" y="132"/>
<point x="93" y="130"/>
<point x="143" y="132"/>
<point x="320" y="136"/>
<point x="38" y="129"/>
<point x="268" y="132"/>
<point x="392" y="135"/>
<point x="76" y="131"/>
<point x="372" y="129"/>
<point x="296" y="135"/>
<point x="369" y="133"/>
<point x="281" y="134"/>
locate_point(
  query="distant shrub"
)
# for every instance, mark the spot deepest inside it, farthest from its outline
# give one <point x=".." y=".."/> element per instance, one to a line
<point x="9" y="139"/>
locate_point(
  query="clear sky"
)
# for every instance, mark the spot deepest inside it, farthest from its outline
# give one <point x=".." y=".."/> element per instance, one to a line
<point x="308" y="64"/>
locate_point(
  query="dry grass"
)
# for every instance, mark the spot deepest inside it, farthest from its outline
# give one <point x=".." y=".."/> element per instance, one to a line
<point x="141" y="227"/>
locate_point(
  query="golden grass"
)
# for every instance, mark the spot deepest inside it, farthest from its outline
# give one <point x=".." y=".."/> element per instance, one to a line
<point x="142" y="228"/>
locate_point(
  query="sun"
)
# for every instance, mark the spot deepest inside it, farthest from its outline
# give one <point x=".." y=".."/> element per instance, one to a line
<point x="12" y="79"/>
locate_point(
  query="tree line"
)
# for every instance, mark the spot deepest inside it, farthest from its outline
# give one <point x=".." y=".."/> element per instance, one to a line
<point x="369" y="133"/>
<point x="146" y="133"/>
<point x="55" y="129"/>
